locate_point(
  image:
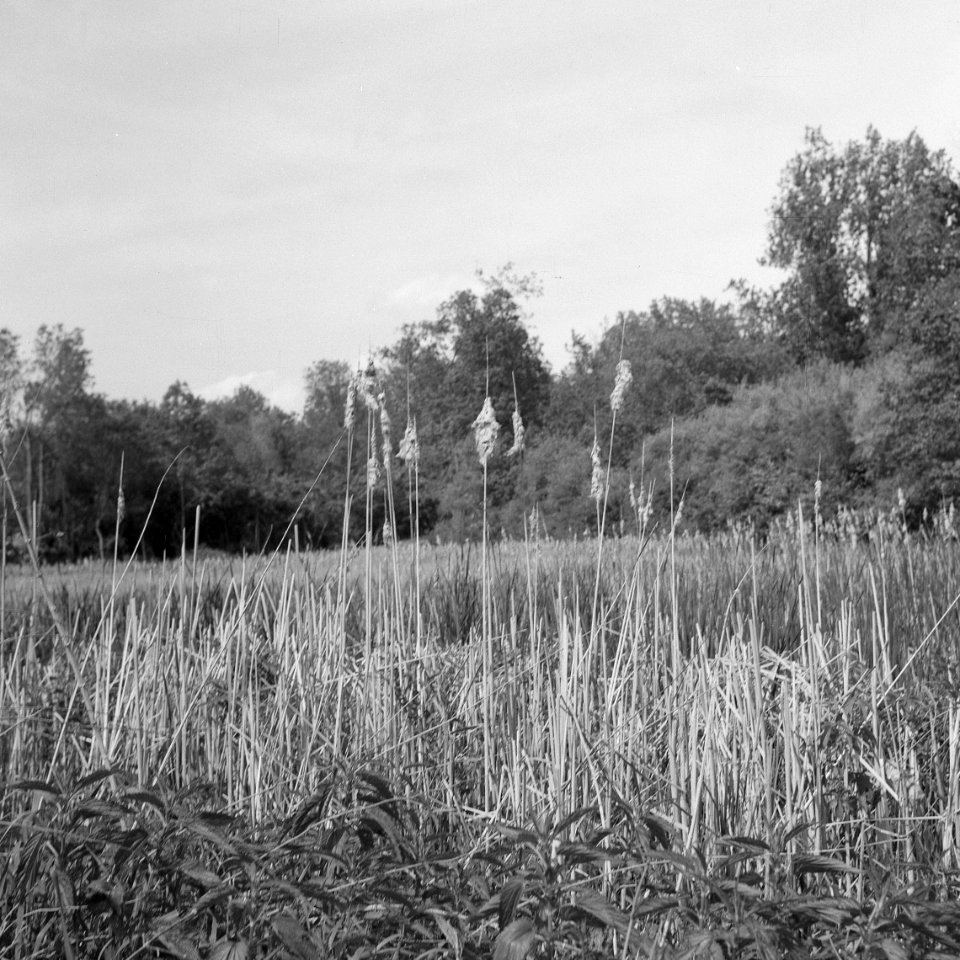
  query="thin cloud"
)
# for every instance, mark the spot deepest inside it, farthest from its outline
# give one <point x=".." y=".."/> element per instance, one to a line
<point x="279" y="391"/>
<point x="428" y="290"/>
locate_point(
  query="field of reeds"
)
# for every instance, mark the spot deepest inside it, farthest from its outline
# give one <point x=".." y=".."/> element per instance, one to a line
<point x="697" y="748"/>
<point x="657" y="745"/>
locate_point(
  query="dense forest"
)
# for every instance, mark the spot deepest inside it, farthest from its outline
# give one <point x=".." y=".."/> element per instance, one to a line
<point x="847" y="372"/>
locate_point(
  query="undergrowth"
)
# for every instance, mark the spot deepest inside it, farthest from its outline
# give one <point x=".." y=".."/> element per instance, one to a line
<point x="364" y="868"/>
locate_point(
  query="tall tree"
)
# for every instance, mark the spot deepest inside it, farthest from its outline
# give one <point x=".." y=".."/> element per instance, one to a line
<point x="684" y="356"/>
<point x="478" y="345"/>
<point x="57" y="412"/>
<point x="10" y="380"/>
<point x="860" y="231"/>
<point x="186" y="435"/>
<point x="919" y="447"/>
<point x="324" y="444"/>
<point x="11" y="376"/>
<point x="254" y="453"/>
<point x="326" y="383"/>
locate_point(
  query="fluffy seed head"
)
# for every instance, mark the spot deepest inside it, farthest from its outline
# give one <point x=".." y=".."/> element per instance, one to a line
<point x="409" y="451"/>
<point x="121" y="506"/>
<point x="622" y="382"/>
<point x="387" y="533"/>
<point x="350" y="415"/>
<point x="373" y="471"/>
<point x="485" y="431"/>
<point x="518" y="434"/>
<point x="368" y="387"/>
<point x="596" y="474"/>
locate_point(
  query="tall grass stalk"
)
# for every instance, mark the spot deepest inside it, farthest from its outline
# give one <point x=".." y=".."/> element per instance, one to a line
<point x="486" y="429"/>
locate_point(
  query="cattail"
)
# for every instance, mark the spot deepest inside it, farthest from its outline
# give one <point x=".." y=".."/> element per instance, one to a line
<point x="901" y="500"/>
<point x="385" y="429"/>
<point x="518" y="434"/>
<point x="679" y="516"/>
<point x="409" y="451"/>
<point x="817" y="493"/>
<point x="633" y="497"/>
<point x="121" y="506"/>
<point x="596" y="475"/>
<point x="350" y="414"/>
<point x="485" y="431"/>
<point x="368" y="387"/>
<point x="622" y="382"/>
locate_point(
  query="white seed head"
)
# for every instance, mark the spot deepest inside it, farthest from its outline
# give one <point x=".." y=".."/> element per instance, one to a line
<point x="485" y="431"/>
<point x="368" y="387"/>
<point x="409" y="451"/>
<point x="622" y="382"/>
<point x="387" y="533"/>
<point x="350" y="414"/>
<point x="596" y="473"/>
<point x="373" y="471"/>
<point x="518" y="434"/>
<point x="121" y="506"/>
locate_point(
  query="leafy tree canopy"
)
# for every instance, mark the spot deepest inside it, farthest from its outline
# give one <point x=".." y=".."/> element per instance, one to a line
<point x="860" y="230"/>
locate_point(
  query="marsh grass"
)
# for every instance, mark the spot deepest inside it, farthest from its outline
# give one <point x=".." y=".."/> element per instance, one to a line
<point x="665" y="747"/>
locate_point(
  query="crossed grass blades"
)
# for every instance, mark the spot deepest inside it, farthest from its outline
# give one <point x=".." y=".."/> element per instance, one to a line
<point x="660" y="746"/>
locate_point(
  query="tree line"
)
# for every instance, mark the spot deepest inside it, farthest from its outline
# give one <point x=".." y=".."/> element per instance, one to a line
<point x="847" y="372"/>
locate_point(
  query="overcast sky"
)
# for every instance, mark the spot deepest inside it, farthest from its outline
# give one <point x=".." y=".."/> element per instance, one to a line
<point x="222" y="192"/>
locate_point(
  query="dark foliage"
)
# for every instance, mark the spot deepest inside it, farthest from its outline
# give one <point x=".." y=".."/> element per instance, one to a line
<point x="361" y="867"/>
<point x="868" y="235"/>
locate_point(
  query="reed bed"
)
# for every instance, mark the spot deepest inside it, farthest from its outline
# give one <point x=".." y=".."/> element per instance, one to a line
<point x="651" y="746"/>
<point x="724" y="722"/>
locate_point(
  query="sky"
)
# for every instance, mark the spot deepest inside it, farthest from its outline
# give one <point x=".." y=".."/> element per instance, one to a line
<point x="223" y="192"/>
